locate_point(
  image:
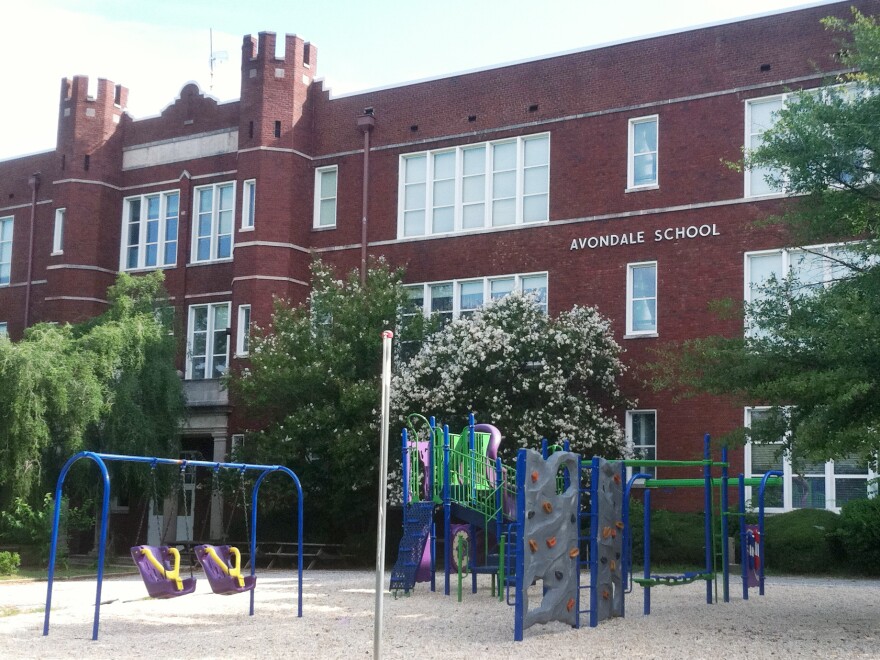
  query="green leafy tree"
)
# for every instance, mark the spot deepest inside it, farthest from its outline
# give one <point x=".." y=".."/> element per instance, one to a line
<point x="531" y="375"/>
<point x="313" y="380"/>
<point x="812" y="352"/>
<point x="108" y="385"/>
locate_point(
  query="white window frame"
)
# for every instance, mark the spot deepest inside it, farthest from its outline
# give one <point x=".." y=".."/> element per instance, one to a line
<point x="248" y="204"/>
<point x="162" y="240"/>
<point x="4" y="329"/>
<point x="7" y="246"/>
<point x="486" y="282"/>
<point x="319" y="174"/>
<point x="58" y="232"/>
<point x="489" y="197"/>
<point x="747" y="141"/>
<point x="631" y="154"/>
<point x="828" y="474"/>
<point x="210" y="356"/>
<point x="630" y="332"/>
<point x="629" y="436"/>
<point x="243" y="329"/>
<point x="215" y="234"/>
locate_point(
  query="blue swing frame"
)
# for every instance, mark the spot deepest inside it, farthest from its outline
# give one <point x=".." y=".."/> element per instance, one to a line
<point x="102" y="459"/>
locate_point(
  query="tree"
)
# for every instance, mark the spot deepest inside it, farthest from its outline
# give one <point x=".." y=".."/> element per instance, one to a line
<point x="531" y="375"/>
<point x="313" y="381"/>
<point x="812" y="352"/>
<point x="107" y="385"/>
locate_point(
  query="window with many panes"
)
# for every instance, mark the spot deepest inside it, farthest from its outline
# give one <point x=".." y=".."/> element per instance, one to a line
<point x="58" y="232"/>
<point x="212" y="230"/>
<point x="641" y="298"/>
<point x="643" y="154"/>
<point x="5" y="249"/>
<point x="805" y="484"/>
<point x="149" y="231"/>
<point x="493" y="184"/>
<point x="207" y="341"/>
<point x="641" y="436"/>
<point x="243" y="336"/>
<point x="760" y="116"/>
<point x="248" y="203"/>
<point x="325" y="196"/>
<point x="457" y="298"/>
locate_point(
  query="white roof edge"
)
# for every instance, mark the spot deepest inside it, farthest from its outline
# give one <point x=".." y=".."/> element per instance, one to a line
<point x="607" y="44"/>
<point x="30" y="154"/>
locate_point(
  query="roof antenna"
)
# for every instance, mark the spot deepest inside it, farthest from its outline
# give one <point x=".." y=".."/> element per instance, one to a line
<point x="216" y="56"/>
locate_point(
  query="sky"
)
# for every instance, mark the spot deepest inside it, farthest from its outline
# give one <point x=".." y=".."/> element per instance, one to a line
<point x="154" y="47"/>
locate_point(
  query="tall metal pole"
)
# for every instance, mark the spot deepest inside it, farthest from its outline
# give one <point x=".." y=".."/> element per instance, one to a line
<point x="387" y="335"/>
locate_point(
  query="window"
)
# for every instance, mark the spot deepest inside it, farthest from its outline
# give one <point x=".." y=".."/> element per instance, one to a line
<point x="493" y="184"/>
<point x="5" y="249"/>
<point x="641" y="299"/>
<point x="213" y="228"/>
<point x="325" y="196"/>
<point x="642" y="160"/>
<point x="641" y="437"/>
<point x="58" y="232"/>
<point x="760" y="116"/>
<point x="248" y="203"/>
<point x="243" y="336"/>
<point x="208" y="341"/>
<point x="805" y="485"/>
<point x="4" y="329"/>
<point x="149" y="231"/>
<point x="461" y="298"/>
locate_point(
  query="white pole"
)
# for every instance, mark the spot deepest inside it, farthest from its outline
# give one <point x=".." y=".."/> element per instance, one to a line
<point x="383" y="487"/>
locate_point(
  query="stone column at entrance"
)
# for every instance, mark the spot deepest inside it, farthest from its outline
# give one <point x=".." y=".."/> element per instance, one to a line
<point x="216" y="496"/>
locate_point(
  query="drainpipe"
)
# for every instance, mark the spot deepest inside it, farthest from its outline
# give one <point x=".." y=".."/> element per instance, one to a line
<point x="34" y="181"/>
<point x="366" y="124"/>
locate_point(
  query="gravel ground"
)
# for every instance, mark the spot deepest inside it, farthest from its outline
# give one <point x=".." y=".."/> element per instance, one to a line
<point x="798" y="618"/>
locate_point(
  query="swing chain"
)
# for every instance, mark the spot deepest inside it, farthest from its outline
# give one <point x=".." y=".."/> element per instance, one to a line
<point x="241" y="488"/>
<point x="186" y="510"/>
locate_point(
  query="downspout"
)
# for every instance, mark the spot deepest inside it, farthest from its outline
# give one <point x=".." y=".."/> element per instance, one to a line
<point x="366" y="124"/>
<point x="34" y="182"/>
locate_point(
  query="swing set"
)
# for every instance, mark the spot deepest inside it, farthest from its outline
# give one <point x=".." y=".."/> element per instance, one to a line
<point x="159" y="566"/>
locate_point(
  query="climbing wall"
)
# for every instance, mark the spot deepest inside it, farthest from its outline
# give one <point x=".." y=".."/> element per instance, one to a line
<point x="610" y="541"/>
<point x="550" y="538"/>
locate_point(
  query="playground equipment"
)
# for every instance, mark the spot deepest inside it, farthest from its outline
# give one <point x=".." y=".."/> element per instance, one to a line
<point x="159" y="566"/>
<point x="554" y="520"/>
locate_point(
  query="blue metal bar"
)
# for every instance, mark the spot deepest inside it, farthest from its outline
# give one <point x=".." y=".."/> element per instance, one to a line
<point x="519" y="604"/>
<point x="544" y="450"/>
<point x="594" y="541"/>
<point x="743" y="550"/>
<point x="406" y="457"/>
<point x="431" y="485"/>
<point x="299" y="529"/>
<point x="577" y="536"/>
<point x="646" y="569"/>
<point x="760" y="542"/>
<point x="447" y="512"/>
<point x="626" y="555"/>
<point x="472" y="460"/>
<point x="101" y="460"/>
<point x="725" y="560"/>
<point x="707" y="515"/>
<point x="102" y="543"/>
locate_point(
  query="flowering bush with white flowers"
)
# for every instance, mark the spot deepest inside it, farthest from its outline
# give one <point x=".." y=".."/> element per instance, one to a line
<point x="531" y="375"/>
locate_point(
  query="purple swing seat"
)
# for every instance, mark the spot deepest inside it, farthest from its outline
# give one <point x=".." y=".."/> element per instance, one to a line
<point x="221" y="582"/>
<point x="158" y="585"/>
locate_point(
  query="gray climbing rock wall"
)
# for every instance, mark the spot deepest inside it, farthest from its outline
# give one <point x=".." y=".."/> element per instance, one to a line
<point x="550" y="534"/>
<point x="610" y="538"/>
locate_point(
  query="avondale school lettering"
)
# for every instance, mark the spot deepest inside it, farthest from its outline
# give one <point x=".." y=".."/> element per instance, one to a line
<point x="635" y="237"/>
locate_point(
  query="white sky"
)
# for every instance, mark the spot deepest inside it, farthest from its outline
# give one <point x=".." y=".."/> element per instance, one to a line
<point x="154" y="47"/>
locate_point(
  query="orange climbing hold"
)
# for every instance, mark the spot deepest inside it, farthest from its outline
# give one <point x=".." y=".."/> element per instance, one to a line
<point x="570" y="605"/>
<point x="548" y="508"/>
<point x="574" y="552"/>
<point x="619" y="524"/>
<point x="605" y="594"/>
<point x="534" y="476"/>
<point x="606" y="532"/>
<point x="533" y="545"/>
<point x="551" y="541"/>
<point x="612" y="565"/>
<point x="617" y="478"/>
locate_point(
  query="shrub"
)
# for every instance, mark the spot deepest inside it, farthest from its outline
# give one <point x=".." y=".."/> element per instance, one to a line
<point x="676" y="538"/>
<point x="859" y="535"/>
<point x="9" y="563"/>
<point x="801" y="541"/>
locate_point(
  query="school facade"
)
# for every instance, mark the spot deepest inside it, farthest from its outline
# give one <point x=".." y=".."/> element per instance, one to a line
<point x="594" y="177"/>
